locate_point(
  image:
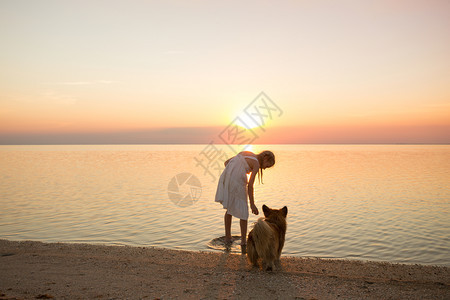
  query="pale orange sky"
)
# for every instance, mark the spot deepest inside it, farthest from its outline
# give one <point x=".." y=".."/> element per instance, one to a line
<point x="179" y="71"/>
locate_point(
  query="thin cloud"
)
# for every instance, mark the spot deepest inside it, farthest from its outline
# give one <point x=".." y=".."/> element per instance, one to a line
<point x="175" y="52"/>
<point x="102" y="81"/>
<point x="58" y="98"/>
<point x="437" y="105"/>
<point x="75" y="83"/>
<point x="106" y="81"/>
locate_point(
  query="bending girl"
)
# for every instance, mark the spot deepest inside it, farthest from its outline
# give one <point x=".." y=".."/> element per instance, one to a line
<point x="233" y="188"/>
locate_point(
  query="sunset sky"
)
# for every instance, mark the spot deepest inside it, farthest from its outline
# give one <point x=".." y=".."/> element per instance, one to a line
<point x="180" y="71"/>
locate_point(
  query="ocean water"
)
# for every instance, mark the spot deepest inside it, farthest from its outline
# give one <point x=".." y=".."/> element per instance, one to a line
<point x="368" y="202"/>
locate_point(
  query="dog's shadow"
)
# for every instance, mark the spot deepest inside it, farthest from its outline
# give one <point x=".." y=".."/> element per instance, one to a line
<point x="234" y="276"/>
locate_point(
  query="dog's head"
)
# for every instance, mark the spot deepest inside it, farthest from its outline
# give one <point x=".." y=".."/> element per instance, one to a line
<point x="269" y="213"/>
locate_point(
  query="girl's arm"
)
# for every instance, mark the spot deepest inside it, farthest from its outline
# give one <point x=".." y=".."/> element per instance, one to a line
<point x="251" y="196"/>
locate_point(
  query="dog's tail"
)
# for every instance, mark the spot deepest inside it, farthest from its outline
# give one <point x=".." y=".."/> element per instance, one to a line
<point x="262" y="235"/>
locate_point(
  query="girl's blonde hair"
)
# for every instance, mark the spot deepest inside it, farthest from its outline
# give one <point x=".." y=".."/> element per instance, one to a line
<point x="270" y="157"/>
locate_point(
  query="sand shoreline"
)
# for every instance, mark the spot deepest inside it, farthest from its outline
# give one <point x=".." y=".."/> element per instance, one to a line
<point x="30" y="270"/>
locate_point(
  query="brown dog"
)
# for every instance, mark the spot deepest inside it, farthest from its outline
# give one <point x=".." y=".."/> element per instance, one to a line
<point x="266" y="239"/>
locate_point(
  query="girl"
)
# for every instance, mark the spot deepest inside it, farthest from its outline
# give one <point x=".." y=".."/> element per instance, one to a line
<point x="233" y="188"/>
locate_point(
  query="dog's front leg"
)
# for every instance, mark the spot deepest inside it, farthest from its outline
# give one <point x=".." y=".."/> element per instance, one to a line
<point x="278" y="263"/>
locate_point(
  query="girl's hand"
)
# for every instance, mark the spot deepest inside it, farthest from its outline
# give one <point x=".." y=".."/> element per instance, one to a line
<point x="254" y="209"/>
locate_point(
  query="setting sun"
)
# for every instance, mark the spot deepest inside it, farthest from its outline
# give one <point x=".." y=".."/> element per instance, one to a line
<point x="245" y="121"/>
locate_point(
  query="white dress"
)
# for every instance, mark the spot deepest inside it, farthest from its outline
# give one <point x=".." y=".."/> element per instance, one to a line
<point x="232" y="187"/>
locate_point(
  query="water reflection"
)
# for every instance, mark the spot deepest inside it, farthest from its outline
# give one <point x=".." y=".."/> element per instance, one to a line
<point x="366" y="202"/>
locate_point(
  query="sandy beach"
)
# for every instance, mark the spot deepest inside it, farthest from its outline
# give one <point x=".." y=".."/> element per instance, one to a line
<point x="35" y="270"/>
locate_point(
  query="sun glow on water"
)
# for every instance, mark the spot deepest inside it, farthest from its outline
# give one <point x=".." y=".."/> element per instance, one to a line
<point x="249" y="148"/>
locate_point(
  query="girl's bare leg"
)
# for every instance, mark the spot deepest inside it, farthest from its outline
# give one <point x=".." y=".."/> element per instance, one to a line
<point x="243" y="224"/>
<point x="227" y="220"/>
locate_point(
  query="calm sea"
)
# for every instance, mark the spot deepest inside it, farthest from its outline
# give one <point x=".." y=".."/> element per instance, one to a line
<point x="369" y="202"/>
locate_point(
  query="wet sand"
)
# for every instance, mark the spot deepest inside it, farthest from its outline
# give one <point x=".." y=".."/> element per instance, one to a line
<point x="35" y="270"/>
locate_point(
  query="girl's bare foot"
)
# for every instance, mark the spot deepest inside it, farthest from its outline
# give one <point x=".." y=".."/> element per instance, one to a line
<point x="228" y="241"/>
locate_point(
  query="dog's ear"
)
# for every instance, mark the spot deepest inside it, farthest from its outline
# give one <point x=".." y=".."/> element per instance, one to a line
<point x="285" y="211"/>
<point x="266" y="210"/>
